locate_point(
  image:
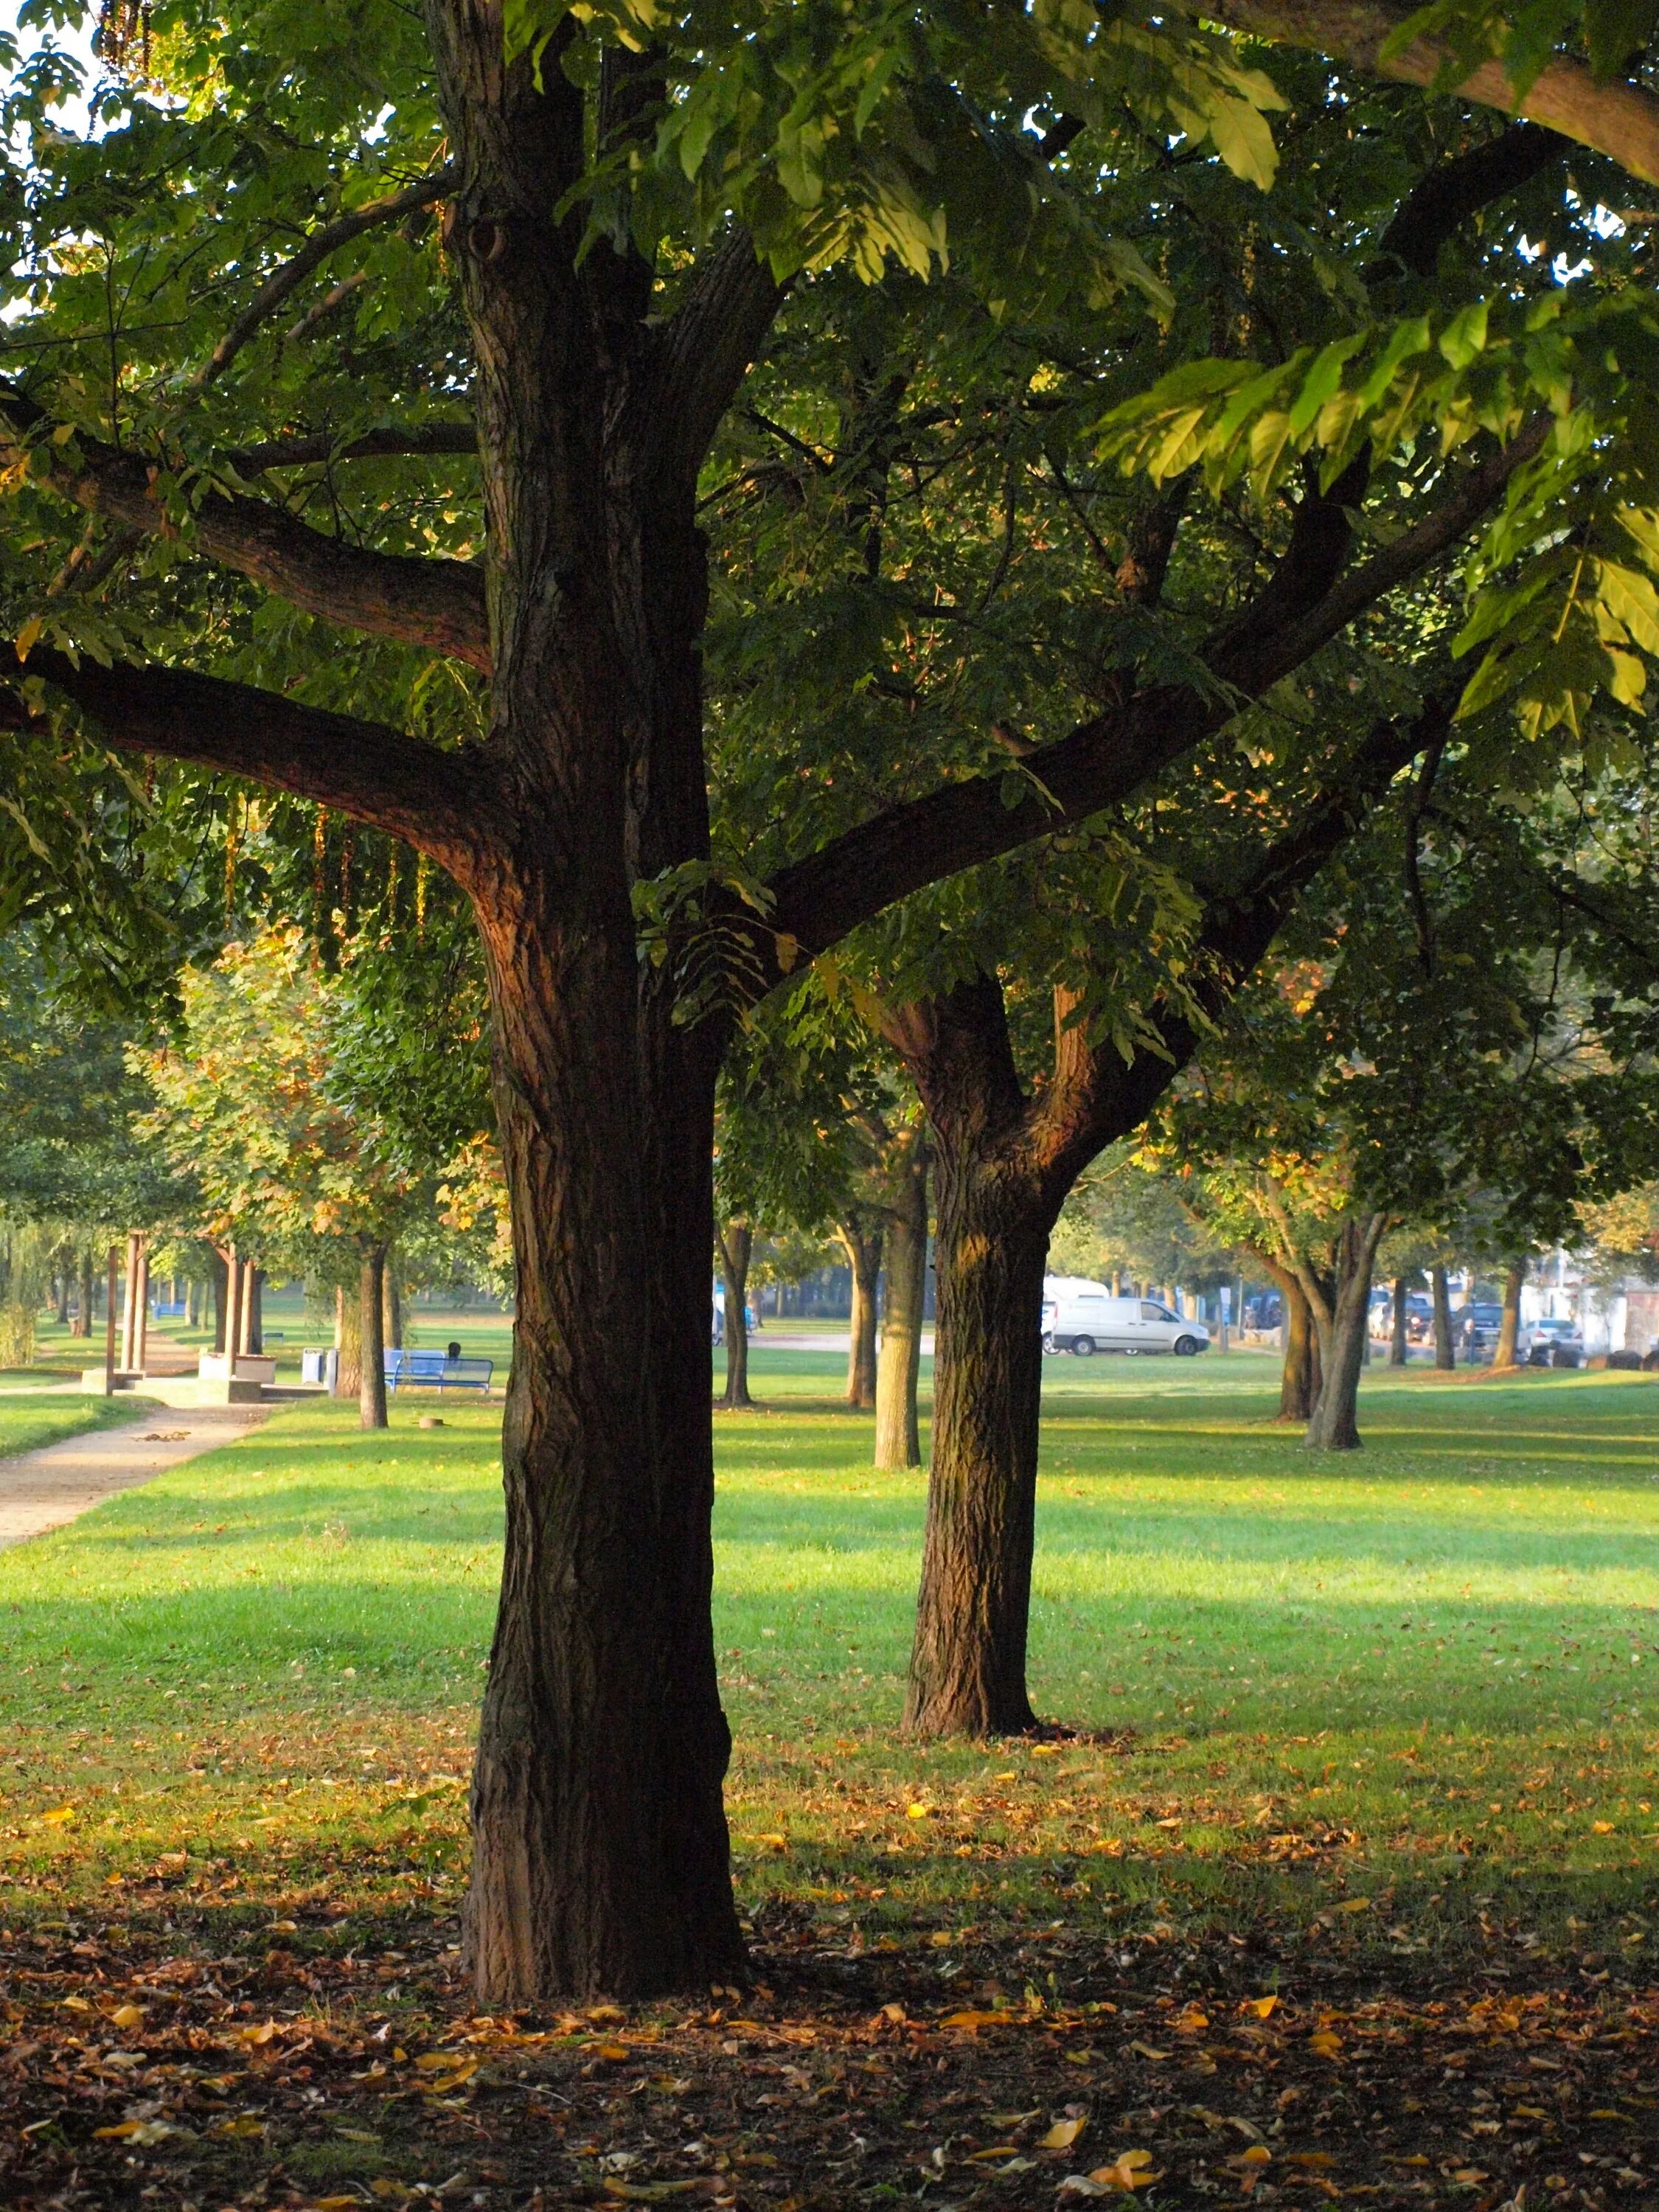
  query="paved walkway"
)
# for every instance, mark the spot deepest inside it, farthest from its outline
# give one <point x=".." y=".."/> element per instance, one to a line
<point x="45" y="1488"/>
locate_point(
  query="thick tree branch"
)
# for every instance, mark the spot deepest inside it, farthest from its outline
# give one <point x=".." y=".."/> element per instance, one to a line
<point x="315" y="251"/>
<point x="436" y="604"/>
<point x="818" y="900"/>
<point x="376" y="774"/>
<point x="1441" y="202"/>
<point x="730" y="303"/>
<point x="1619" y="119"/>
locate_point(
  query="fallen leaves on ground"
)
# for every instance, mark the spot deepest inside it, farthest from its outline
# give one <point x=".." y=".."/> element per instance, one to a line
<point x="180" y="2060"/>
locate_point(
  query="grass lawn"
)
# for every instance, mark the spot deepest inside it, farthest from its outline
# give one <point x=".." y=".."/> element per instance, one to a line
<point x="1384" y="1721"/>
<point x="28" y="1421"/>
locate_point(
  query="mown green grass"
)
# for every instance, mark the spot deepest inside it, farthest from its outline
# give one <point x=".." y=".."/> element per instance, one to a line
<point x="28" y="1421"/>
<point x="1427" y="1673"/>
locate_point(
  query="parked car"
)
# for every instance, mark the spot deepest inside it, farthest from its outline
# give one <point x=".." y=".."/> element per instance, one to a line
<point x="1554" y="1341"/>
<point x="1084" y="1317"/>
<point x="1476" y="1327"/>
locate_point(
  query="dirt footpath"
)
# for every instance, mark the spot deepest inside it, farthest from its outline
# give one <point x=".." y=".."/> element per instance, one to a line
<point x="45" y="1488"/>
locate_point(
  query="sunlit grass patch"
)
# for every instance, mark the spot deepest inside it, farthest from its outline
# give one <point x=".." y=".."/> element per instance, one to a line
<point x="1403" y="1681"/>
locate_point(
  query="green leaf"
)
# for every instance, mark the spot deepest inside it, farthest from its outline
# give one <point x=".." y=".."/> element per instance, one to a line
<point x="1465" y="336"/>
<point x="1245" y="144"/>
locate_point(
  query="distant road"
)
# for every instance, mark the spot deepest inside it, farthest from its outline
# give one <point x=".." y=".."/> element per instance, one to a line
<point x="782" y="1339"/>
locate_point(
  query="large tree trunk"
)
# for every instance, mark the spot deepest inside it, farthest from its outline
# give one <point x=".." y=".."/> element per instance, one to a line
<point x="1342" y="1319"/>
<point x="898" y="1431"/>
<point x="736" y="1242"/>
<point x="1445" y="1351"/>
<point x="371" y="1338"/>
<point x="1400" y="1341"/>
<point x="1509" y="1329"/>
<point x="1298" y="1381"/>
<point x="862" y="1244"/>
<point x="601" y="1859"/>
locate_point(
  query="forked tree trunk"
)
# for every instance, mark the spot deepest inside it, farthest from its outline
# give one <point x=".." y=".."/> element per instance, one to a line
<point x="1342" y="1319"/>
<point x="898" y="1430"/>
<point x="1509" y="1329"/>
<point x="1445" y="1351"/>
<point x="1298" y="1381"/>
<point x="371" y="1338"/>
<point x="736" y="1242"/>
<point x="1400" y="1342"/>
<point x="862" y="1245"/>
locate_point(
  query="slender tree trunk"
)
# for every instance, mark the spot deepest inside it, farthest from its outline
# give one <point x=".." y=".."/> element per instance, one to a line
<point x="83" y="1317"/>
<point x="968" y="1661"/>
<point x="1342" y="1323"/>
<point x="1509" y="1329"/>
<point x="220" y="1297"/>
<point x="1445" y="1351"/>
<point x="862" y="1245"/>
<point x="1298" y="1381"/>
<point x="347" y="1339"/>
<point x="1399" y="1343"/>
<point x="736" y="1242"/>
<point x="249" y="1331"/>
<point x="62" y="1296"/>
<point x="393" y="1310"/>
<point x="898" y="1431"/>
<point x="129" y="1311"/>
<point x="371" y="1338"/>
<point x="139" y="1290"/>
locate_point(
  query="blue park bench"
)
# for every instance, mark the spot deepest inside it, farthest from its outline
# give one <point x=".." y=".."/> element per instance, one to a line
<point x="435" y="1371"/>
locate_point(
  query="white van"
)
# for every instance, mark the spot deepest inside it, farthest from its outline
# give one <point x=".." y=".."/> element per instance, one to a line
<point x="1084" y="1317"/>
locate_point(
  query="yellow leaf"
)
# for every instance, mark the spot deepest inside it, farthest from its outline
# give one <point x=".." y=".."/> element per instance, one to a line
<point x="118" y="2133"/>
<point x="1131" y="2170"/>
<point x="1193" y="2021"/>
<point x="1470" y="2173"/>
<point x="1326" y="2045"/>
<point x="244" y="2125"/>
<point x="77" y="2004"/>
<point x="1261" y="2007"/>
<point x="774" y="1841"/>
<point x="1145" y="2050"/>
<point x="26" y="638"/>
<point x="1309" y="2158"/>
<point x="611" y="2051"/>
<point x="941" y="1939"/>
<point x="1257" y="2154"/>
<point x="126" y="2016"/>
<point x="258" y="2034"/>
<point x="336" y="2204"/>
<point x="63" y="1812"/>
<point x="1597" y="1827"/>
<point x="437" y="2062"/>
<point x="463" y="2072"/>
<point x="1062" y="2135"/>
<point x="1355" y="1904"/>
<point x="915" y="1812"/>
<point x="970" y="2020"/>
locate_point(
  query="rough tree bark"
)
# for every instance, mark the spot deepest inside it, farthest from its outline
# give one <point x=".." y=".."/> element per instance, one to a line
<point x="1509" y="1329"/>
<point x="860" y="1237"/>
<point x="1341" y="1317"/>
<point x="1445" y="1351"/>
<point x="348" y="1343"/>
<point x="371" y="1338"/>
<point x="1298" y="1381"/>
<point x="736" y="1241"/>
<point x="898" y="1430"/>
<point x="392" y="1307"/>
